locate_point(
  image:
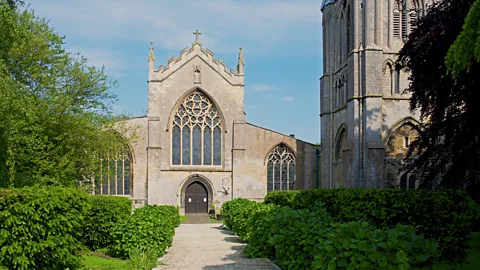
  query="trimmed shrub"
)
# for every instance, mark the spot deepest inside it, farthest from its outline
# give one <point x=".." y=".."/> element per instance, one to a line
<point x="259" y="231"/>
<point x="308" y="239"/>
<point x="445" y="216"/>
<point x="151" y="227"/>
<point x="41" y="227"/>
<point x="296" y="234"/>
<point x="105" y="213"/>
<point x="236" y="213"/>
<point x="358" y="245"/>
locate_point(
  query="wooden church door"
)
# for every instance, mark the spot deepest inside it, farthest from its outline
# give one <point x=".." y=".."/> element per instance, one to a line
<point x="196" y="198"/>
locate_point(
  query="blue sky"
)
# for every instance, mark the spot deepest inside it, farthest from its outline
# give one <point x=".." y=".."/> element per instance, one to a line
<point x="281" y="41"/>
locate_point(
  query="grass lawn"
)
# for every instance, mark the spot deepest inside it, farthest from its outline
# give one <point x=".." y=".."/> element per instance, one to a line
<point x="473" y="260"/>
<point x="183" y="218"/>
<point x="96" y="261"/>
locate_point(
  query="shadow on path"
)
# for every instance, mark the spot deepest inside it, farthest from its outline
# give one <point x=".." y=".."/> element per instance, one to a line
<point x="210" y="246"/>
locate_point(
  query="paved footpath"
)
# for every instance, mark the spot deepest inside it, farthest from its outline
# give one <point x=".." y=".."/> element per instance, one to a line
<point x="209" y="246"/>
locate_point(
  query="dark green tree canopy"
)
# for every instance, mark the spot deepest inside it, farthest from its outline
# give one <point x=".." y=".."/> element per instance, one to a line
<point x="449" y="153"/>
<point x="466" y="49"/>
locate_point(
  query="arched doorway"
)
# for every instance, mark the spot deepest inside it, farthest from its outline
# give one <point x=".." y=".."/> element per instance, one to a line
<point x="196" y="198"/>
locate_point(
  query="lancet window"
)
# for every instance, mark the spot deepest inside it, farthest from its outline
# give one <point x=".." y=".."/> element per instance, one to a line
<point x="197" y="132"/>
<point x="115" y="172"/>
<point x="281" y="169"/>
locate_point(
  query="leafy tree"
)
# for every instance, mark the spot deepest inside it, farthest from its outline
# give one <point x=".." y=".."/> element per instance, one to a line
<point x="55" y="109"/>
<point x="449" y="150"/>
<point x="466" y="49"/>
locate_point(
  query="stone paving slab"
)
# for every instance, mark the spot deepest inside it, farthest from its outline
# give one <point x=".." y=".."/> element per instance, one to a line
<point x="209" y="246"/>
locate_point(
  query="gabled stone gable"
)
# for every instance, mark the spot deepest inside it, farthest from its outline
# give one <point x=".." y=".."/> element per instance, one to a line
<point x="186" y="55"/>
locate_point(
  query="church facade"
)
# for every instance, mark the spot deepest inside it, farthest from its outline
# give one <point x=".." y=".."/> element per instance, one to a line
<point x="365" y="118"/>
<point x="195" y="149"/>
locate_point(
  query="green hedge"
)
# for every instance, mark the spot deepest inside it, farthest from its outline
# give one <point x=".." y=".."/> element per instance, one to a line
<point x="236" y="214"/>
<point x="308" y="239"/>
<point x="105" y="213"/>
<point x="41" y="227"/>
<point x="151" y="227"/>
<point x="445" y="216"/>
<point x="359" y="245"/>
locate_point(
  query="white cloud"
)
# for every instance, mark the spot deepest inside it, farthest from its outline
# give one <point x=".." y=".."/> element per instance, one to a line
<point x="287" y="98"/>
<point x="225" y="24"/>
<point x="261" y="88"/>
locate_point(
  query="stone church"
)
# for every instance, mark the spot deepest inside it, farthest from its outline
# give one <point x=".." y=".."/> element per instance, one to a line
<point x="365" y="118"/>
<point x="195" y="149"/>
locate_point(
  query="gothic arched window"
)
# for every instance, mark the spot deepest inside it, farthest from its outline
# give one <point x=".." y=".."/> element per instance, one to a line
<point x="197" y="132"/>
<point x="280" y="169"/>
<point x="339" y="159"/>
<point x="387" y="79"/>
<point x="115" y="172"/>
<point x="397" y="78"/>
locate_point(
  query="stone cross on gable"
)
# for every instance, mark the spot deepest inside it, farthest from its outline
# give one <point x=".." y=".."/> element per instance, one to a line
<point x="196" y="33"/>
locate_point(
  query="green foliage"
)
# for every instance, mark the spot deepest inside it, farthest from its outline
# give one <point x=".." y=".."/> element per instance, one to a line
<point x="151" y="227"/>
<point x="357" y="245"/>
<point x="55" y="109"/>
<point x="105" y="213"/>
<point x="41" y="227"/>
<point x="143" y="259"/>
<point x="236" y="213"/>
<point x="259" y="233"/>
<point x="466" y="48"/>
<point x="308" y="239"/>
<point x="445" y="216"/>
<point x="295" y="235"/>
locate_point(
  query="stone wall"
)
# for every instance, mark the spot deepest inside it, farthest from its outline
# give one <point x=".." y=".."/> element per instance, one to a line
<point x="375" y="100"/>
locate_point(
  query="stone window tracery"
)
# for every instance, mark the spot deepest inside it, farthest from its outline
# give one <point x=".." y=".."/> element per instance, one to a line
<point x="197" y="132"/>
<point x="115" y="173"/>
<point x="280" y="169"/>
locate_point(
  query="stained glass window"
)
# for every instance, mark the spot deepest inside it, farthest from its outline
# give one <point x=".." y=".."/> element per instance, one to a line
<point x="270" y="176"/>
<point x="114" y="177"/>
<point x="197" y="146"/>
<point x="176" y="145"/>
<point x="217" y="148"/>
<point x="280" y="169"/>
<point x="186" y="145"/>
<point x="197" y="123"/>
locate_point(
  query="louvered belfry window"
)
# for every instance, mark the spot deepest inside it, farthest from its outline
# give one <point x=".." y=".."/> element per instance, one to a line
<point x="396" y="20"/>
